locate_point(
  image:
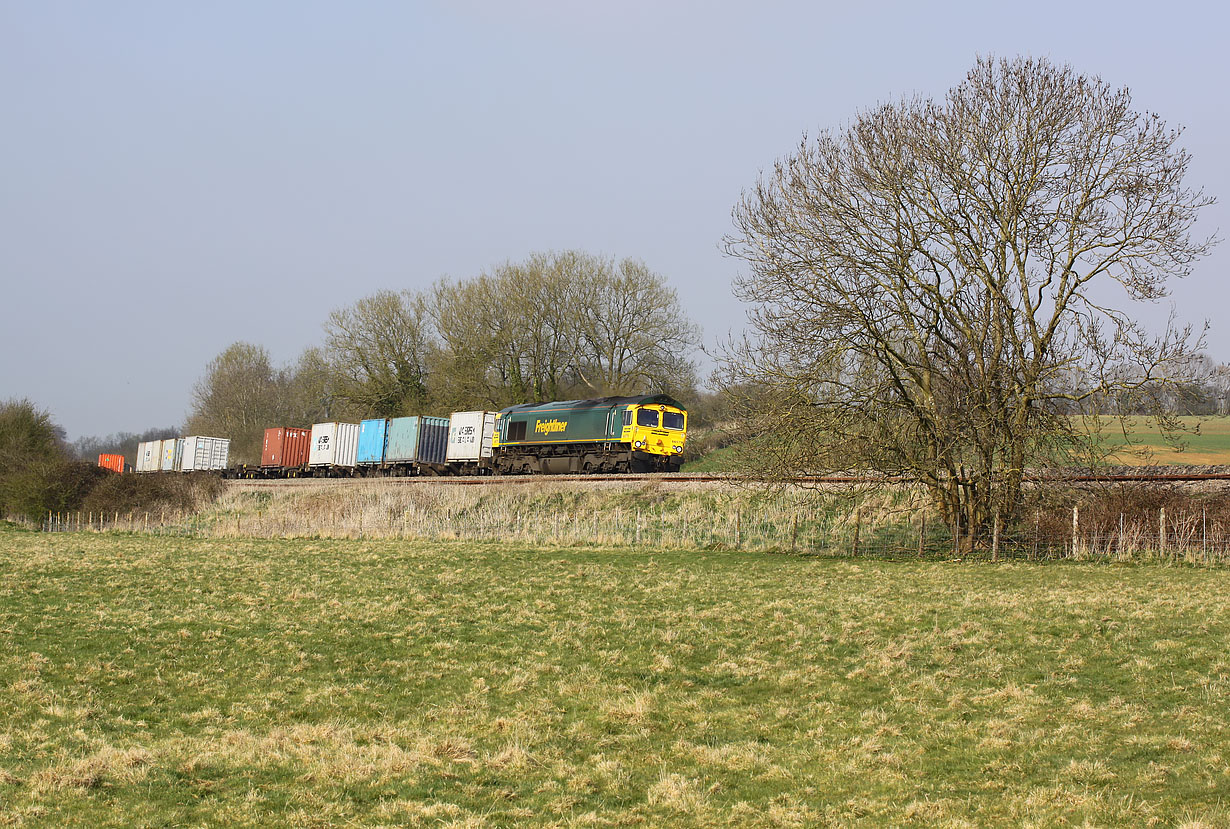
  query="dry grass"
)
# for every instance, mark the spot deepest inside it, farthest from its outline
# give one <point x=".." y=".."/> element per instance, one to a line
<point x="1117" y="523"/>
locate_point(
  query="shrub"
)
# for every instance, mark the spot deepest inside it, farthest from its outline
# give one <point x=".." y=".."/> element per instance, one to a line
<point x="37" y="474"/>
<point x="57" y="485"/>
<point x="147" y="493"/>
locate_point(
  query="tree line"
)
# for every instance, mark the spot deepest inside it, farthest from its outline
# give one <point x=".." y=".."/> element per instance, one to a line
<point x="556" y="326"/>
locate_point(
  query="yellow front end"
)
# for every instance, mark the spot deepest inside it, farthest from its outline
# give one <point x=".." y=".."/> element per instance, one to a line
<point x="656" y="429"/>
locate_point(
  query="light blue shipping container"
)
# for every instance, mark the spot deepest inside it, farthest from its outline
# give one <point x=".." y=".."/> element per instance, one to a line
<point x="416" y="439"/>
<point x="372" y="439"/>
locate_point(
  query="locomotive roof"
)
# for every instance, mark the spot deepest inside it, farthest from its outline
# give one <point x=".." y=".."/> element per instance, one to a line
<point x="597" y="403"/>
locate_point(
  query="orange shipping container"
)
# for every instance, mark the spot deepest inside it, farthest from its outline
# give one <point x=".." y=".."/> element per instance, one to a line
<point x="286" y="447"/>
<point x="113" y="462"/>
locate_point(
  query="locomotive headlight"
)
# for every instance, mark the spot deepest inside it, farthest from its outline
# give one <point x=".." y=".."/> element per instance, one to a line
<point x="639" y="444"/>
<point x="678" y="449"/>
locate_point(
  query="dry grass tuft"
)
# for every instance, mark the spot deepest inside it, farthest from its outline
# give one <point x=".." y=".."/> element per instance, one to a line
<point x="677" y="793"/>
<point x="108" y="765"/>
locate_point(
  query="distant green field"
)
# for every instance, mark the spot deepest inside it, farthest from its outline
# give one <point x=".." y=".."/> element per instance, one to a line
<point x="1203" y="441"/>
<point x="178" y="682"/>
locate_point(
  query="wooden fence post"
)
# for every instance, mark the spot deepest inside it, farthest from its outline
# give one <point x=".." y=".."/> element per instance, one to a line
<point x="858" y="526"/>
<point x="1076" y="527"/>
<point x="1161" y="532"/>
<point x="922" y="533"/>
<point x="995" y="538"/>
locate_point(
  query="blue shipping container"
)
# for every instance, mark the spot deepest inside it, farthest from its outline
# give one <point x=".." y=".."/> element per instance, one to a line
<point x="372" y="438"/>
<point x="416" y="439"/>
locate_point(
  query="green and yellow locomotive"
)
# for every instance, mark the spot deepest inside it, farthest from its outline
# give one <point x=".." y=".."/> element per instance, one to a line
<point x="611" y="434"/>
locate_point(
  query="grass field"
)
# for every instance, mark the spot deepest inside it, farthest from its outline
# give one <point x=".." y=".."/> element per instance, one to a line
<point x="1204" y="441"/>
<point x="173" y="682"/>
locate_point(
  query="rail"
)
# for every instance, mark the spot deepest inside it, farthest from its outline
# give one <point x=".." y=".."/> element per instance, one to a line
<point x="686" y="478"/>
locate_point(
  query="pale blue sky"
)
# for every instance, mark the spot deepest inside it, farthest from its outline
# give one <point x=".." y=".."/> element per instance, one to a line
<point x="302" y="155"/>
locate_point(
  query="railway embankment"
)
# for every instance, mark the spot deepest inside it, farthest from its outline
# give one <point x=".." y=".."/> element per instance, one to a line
<point x="1104" y="519"/>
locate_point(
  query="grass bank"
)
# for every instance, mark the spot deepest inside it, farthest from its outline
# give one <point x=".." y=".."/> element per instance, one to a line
<point x="1119" y="523"/>
<point x="178" y="681"/>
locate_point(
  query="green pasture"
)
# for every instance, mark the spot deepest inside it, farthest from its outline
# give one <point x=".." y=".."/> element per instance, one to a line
<point x="1201" y="441"/>
<point x="231" y="682"/>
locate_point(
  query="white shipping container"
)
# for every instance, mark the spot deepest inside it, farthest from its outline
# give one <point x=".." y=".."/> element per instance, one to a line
<point x="200" y="453"/>
<point x="334" y="444"/>
<point x="149" y="456"/>
<point x="469" y="436"/>
<point x="172" y="451"/>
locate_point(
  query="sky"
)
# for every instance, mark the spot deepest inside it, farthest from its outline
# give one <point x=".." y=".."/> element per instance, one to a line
<point x="175" y="177"/>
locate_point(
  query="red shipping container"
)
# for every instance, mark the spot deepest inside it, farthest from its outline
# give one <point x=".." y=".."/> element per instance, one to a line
<point x="286" y="447"/>
<point x="113" y="462"/>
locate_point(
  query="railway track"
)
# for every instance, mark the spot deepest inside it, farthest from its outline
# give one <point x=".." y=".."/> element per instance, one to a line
<point x="684" y="478"/>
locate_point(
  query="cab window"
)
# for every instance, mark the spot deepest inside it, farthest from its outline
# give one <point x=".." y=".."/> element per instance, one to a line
<point x="672" y="420"/>
<point x="646" y="417"/>
<point x="627" y="417"/>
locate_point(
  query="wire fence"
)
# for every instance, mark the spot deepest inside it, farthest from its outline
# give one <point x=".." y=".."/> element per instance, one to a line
<point x="1187" y="536"/>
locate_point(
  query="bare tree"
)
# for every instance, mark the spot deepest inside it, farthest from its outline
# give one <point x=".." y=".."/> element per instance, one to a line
<point x="377" y="350"/>
<point x="558" y="325"/>
<point x="634" y="334"/>
<point x="478" y="363"/>
<point x="929" y="285"/>
<point x="240" y="394"/>
<point x="88" y="448"/>
<point x="310" y="396"/>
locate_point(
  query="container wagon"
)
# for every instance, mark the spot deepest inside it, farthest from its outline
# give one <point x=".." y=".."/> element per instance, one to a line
<point x="286" y="448"/>
<point x="172" y="455"/>
<point x="113" y="462"/>
<point x="203" y="454"/>
<point x="334" y="449"/>
<point x="470" y="448"/>
<point x="149" y="456"/>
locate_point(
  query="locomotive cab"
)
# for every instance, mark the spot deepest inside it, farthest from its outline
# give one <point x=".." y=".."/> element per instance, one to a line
<point x="656" y="433"/>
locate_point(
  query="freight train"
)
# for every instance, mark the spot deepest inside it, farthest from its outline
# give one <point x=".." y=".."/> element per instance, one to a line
<point x="642" y="433"/>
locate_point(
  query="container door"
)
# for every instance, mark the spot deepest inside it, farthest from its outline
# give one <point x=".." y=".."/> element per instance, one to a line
<point x="401" y="443"/>
<point x="372" y="441"/>
<point x="488" y="431"/>
<point x="321" y="452"/>
<point x="434" y="440"/>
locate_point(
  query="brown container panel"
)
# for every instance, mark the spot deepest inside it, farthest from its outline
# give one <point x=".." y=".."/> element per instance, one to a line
<point x="113" y="462"/>
<point x="286" y="446"/>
